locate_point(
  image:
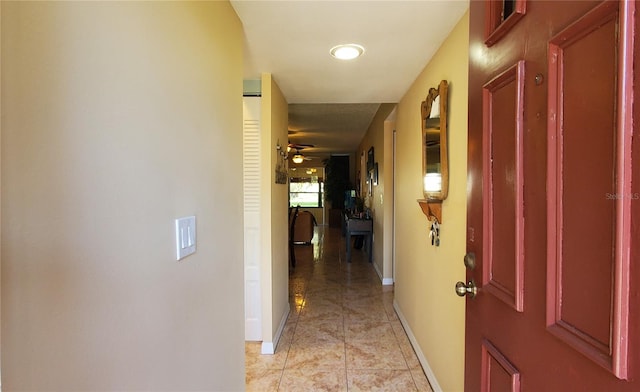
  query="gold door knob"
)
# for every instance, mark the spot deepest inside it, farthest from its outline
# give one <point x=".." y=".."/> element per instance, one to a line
<point x="469" y="289"/>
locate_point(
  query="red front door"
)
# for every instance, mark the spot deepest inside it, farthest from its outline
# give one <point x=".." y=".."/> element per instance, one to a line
<point x="553" y="220"/>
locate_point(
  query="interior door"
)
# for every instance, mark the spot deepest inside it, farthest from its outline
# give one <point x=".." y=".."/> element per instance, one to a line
<point x="553" y="220"/>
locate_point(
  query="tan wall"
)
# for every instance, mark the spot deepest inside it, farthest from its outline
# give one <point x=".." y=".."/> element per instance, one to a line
<point x="275" y="112"/>
<point x="388" y="198"/>
<point x="426" y="275"/>
<point x="0" y="195"/>
<point x="374" y="137"/>
<point x="117" y="119"/>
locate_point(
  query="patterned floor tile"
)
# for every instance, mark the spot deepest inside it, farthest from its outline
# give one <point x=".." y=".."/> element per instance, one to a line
<point x="296" y="380"/>
<point x="382" y="355"/>
<point x="262" y="380"/>
<point x="342" y="332"/>
<point x="380" y="381"/>
<point x="316" y="355"/>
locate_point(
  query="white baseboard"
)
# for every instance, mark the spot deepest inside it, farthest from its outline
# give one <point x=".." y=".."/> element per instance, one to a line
<point x="414" y="342"/>
<point x="375" y="267"/>
<point x="385" y="281"/>
<point x="270" y="347"/>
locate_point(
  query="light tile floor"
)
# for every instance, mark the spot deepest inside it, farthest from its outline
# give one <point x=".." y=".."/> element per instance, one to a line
<point x="342" y="333"/>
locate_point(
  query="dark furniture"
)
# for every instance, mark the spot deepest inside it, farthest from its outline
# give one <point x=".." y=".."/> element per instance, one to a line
<point x="303" y="229"/>
<point x="357" y="226"/>
<point x="293" y="215"/>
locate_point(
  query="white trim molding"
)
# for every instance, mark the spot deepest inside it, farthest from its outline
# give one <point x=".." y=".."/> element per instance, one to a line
<point x="270" y="347"/>
<point x="385" y="281"/>
<point x="377" y="269"/>
<point x="423" y="360"/>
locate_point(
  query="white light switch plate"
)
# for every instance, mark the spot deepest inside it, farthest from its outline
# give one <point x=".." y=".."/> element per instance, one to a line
<point x="185" y="236"/>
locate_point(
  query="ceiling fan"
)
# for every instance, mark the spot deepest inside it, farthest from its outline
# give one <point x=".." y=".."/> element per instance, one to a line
<point x="298" y="157"/>
<point x="298" y="146"/>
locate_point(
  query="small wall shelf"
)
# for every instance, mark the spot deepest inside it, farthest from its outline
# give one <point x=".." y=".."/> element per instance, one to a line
<point x="431" y="209"/>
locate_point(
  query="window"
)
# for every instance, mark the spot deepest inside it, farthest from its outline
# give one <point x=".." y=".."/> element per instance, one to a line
<point x="304" y="193"/>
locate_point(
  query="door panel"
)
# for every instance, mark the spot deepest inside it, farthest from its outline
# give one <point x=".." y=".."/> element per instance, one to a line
<point x="501" y="16"/>
<point x="498" y="373"/>
<point x="583" y="155"/>
<point x="251" y="202"/>
<point x="572" y="246"/>
<point x="503" y="220"/>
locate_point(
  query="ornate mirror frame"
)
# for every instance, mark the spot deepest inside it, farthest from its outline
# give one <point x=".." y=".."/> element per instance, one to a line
<point x="437" y="96"/>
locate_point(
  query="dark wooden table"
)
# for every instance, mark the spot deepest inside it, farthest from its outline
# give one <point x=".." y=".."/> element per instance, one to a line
<point x="357" y="226"/>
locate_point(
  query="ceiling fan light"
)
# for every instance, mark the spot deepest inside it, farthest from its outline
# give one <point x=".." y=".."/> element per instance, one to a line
<point x="347" y="52"/>
<point x="298" y="158"/>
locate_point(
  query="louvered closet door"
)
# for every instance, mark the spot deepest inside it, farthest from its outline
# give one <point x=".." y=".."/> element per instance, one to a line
<point x="251" y="180"/>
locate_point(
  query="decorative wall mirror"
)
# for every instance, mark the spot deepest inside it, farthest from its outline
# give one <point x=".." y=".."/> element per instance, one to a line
<point x="435" y="165"/>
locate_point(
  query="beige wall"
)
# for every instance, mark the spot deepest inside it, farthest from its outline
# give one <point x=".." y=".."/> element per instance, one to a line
<point x="426" y="275"/>
<point x="275" y="119"/>
<point x="0" y="195"/>
<point x="387" y="176"/>
<point x="374" y="137"/>
<point x="118" y="118"/>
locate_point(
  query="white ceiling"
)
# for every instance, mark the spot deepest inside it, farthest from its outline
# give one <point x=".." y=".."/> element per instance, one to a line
<point x="291" y="40"/>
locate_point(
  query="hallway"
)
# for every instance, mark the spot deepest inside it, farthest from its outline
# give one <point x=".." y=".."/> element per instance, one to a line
<point x="342" y="333"/>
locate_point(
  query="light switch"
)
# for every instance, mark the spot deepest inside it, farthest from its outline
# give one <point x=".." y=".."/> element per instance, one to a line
<point x="185" y="236"/>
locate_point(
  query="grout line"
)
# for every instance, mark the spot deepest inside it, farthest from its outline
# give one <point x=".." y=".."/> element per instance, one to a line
<point x="344" y="338"/>
<point x="293" y="335"/>
<point x="329" y="272"/>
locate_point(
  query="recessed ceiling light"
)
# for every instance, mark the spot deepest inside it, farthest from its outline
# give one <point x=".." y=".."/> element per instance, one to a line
<point x="347" y="52"/>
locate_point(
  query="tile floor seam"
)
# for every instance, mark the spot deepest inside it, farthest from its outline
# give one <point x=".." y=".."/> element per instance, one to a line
<point x="414" y="379"/>
<point x="286" y="358"/>
<point x="346" y="369"/>
<point x="373" y="351"/>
